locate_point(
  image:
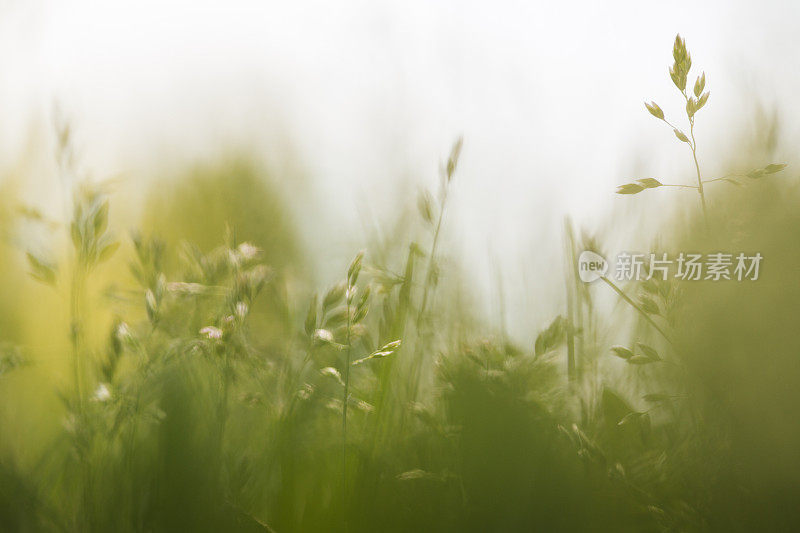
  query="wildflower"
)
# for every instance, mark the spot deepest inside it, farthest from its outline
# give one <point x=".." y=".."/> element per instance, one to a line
<point x="241" y="309"/>
<point x="210" y="332"/>
<point x="102" y="393"/>
<point x="323" y="335"/>
<point x="332" y="372"/>
<point x="151" y="304"/>
<point x="123" y="332"/>
<point x="247" y="251"/>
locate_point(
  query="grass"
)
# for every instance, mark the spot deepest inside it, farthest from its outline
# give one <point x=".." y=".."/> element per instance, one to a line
<point x="194" y="383"/>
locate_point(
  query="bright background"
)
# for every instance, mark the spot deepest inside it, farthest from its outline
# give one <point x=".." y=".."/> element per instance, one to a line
<point x="366" y="97"/>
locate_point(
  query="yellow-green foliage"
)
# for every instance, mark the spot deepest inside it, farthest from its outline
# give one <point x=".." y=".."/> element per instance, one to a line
<point x="185" y="381"/>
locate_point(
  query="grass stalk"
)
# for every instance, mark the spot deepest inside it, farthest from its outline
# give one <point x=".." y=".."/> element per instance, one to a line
<point x="346" y="391"/>
<point x="638" y="308"/>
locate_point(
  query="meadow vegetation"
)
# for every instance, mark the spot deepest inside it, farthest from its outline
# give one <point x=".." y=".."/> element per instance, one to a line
<point x="189" y="376"/>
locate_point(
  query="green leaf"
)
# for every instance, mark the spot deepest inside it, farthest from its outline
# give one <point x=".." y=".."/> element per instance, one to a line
<point x="452" y="161"/>
<point x="630" y="417"/>
<point x="355" y="268"/>
<point x="679" y="49"/>
<point x="360" y="314"/>
<point x="75" y="234"/>
<point x="336" y="317"/>
<point x="151" y="305"/>
<point x="654" y="110"/>
<point x="640" y="360"/>
<point x="550" y="337"/>
<point x="107" y="252"/>
<point x="699" y="85"/>
<point x="756" y="173"/>
<point x="648" y="351"/>
<point x="649" y="306"/>
<point x="656" y="397"/>
<point x="334" y="295"/>
<point x="675" y="74"/>
<point x="683" y="63"/>
<point x="774" y="167"/>
<point x="331" y="372"/>
<point x="650" y="286"/>
<point x="622" y="352"/>
<point x="101" y="219"/>
<point x="629" y="188"/>
<point x="425" y="206"/>
<point x="691" y="107"/>
<point x="649" y="183"/>
<point x="41" y="271"/>
<point x="383" y="351"/>
<point x="702" y="101"/>
<point x="364" y="299"/>
<point x="681" y="136"/>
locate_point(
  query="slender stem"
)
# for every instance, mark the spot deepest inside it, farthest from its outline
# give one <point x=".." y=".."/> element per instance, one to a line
<point x="76" y="299"/>
<point x="570" y="289"/>
<point x="693" y="146"/>
<point x="725" y="177"/>
<point x="670" y="124"/>
<point x="431" y="258"/>
<point x="680" y="186"/>
<point x="636" y="306"/>
<point x="697" y="167"/>
<point x="426" y="289"/>
<point x="76" y="293"/>
<point x="346" y="398"/>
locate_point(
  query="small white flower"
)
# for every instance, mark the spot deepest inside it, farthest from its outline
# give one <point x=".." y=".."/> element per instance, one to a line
<point x="332" y="372"/>
<point x="323" y="335"/>
<point x="210" y="332"/>
<point x="248" y="251"/>
<point x="150" y="299"/>
<point x="241" y="309"/>
<point x="102" y="393"/>
<point x="123" y="332"/>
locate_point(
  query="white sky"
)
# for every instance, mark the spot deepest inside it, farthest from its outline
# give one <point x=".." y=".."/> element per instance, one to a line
<point x="370" y="94"/>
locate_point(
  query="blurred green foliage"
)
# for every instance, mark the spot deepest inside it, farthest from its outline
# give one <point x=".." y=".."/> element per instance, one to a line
<point x="186" y="381"/>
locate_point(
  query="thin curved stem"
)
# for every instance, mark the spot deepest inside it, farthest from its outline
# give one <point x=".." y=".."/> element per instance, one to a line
<point x="431" y="259"/>
<point x="346" y="399"/>
<point x="697" y="167"/>
<point x="693" y="146"/>
<point x="680" y="186"/>
<point x="636" y="306"/>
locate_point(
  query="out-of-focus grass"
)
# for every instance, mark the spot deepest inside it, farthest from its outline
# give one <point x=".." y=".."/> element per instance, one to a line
<point x="741" y="351"/>
<point x="212" y="386"/>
